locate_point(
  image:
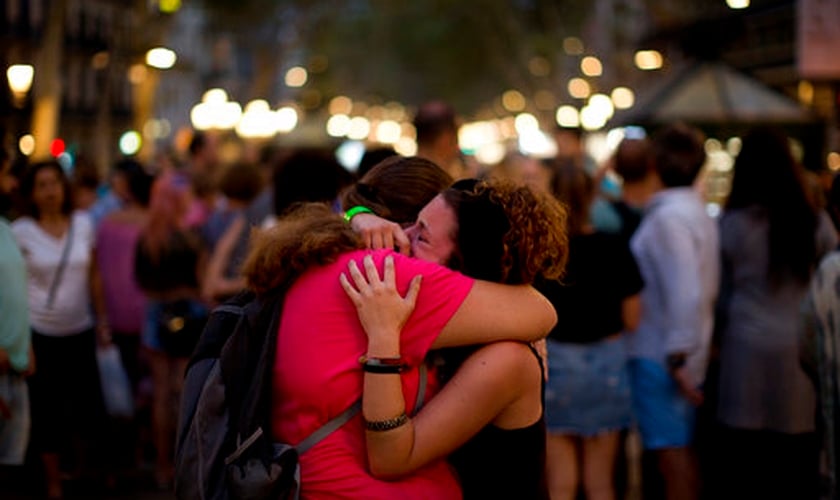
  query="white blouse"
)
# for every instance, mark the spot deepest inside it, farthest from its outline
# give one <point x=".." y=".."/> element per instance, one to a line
<point x="70" y="312"/>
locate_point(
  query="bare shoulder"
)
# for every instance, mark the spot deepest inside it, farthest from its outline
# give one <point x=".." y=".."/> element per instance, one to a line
<point x="510" y="360"/>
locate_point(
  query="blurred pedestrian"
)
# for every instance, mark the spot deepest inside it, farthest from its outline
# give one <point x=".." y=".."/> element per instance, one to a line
<point x="818" y="353"/>
<point x="632" y="162"/>
<point x="437" y="138"/>
<point x="16" y="357"/>
<point x="676" y="248"/>
<point x="588" y="400"/>
<point x="64" y="290"/>
<point x="571" y="150"/>
<point x="169" y="264"/>
<point x="772" y="238"/>
<point x="226" y="233"/>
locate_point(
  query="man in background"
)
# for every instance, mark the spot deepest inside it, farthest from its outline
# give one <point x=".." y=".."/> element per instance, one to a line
<point x="676" y="247"/>
<point x="437" y="138"/>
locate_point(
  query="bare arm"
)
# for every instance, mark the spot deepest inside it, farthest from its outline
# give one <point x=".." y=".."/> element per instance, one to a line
<point x="215" y="283"/>
<point x="97" y="294"/>
<point x="493" y="312"/>
<point x="631" y="312"/>
<point x="487" y="383"/>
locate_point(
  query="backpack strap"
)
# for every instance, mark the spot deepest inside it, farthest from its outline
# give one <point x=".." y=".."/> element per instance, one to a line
<point x="345" y="416"/>
<point x="421" y="388"/>
<point x="328" y="428"/>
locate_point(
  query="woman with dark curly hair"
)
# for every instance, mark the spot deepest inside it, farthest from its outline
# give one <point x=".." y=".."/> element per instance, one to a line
<point x="488" y="418"/>
<point x="323" y="353"/>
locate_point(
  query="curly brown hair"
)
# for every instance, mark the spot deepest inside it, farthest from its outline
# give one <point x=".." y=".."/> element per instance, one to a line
<point x="508" y="233"/>
<point x="309" y="235"/>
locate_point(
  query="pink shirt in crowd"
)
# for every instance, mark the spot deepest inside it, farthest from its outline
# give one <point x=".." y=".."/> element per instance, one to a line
<point x="124" y="302"/>
<point x="317" y="376"/>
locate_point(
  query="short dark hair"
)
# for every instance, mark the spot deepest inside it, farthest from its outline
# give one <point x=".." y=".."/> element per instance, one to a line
<point x="679" y="154"/>
<point x="632" y="160"/>
<point x="197" y="143"/>
<point x="308" y="175"/>
<point x="139" y="181"/>
<point x="241" y="182"/>
<point x="433" y="119"/>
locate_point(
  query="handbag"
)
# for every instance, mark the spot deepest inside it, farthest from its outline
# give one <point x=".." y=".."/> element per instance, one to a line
<point x="116" y="388"/>
<point x="180" y="325"/>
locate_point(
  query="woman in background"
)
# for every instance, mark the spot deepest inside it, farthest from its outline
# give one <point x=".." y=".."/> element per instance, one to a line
<point x="771" y="241"/>
<point x="64" y="291"/>
<point x="588" y="398"/>
<point x="168" y="265"/>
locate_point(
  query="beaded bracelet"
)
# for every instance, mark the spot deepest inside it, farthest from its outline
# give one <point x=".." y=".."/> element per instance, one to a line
<point x="358" y="209"/>
<point x="386" y="425"/>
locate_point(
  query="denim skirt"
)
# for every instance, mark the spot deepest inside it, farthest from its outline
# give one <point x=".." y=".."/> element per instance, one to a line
<point x="588" y="390"/>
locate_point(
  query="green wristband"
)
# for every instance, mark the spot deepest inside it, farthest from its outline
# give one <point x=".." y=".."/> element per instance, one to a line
<point x="358" y="209"/>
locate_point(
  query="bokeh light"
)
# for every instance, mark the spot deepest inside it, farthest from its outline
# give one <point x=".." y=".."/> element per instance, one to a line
<point x="26" y="144"/>
<point x="296" y="77"/>
<point x="130" y="142"/>
<point x="513" y="100"/>
<point x="623" y="98"/>
<point x="579" y="88"/>
<point x="648" y="60"/>
<point x="591" y="66"/>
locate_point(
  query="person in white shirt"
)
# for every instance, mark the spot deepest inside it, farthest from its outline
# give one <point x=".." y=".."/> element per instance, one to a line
<point x="63" y="291"/>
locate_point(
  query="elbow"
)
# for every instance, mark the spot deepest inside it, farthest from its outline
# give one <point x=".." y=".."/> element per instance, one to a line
<point x="386" y="470"/>
<point x="547" y="319"/>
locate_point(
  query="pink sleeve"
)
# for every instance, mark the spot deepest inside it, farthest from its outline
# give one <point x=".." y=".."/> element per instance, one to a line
<point x="441" y="294"/>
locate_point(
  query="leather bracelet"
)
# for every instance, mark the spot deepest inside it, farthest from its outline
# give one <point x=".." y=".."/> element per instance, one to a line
<point x="382" y="365"/>
<point x="386" y="425"/>
<point x="358" y="209"/>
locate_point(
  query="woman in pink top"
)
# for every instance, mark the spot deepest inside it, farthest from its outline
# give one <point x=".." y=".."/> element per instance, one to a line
<point x="116" y="239"/>
<point x="318" y="374"/>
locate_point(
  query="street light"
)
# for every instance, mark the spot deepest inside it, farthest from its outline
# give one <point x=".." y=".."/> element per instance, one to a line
<point x="215" y="111"/>
<point x="20" y="78"/>
<point x="161" y="58"/>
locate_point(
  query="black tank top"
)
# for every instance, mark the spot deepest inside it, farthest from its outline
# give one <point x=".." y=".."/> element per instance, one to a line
<point x="504" y="463"/>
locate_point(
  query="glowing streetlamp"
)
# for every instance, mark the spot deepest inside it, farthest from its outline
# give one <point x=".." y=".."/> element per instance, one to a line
<point x="738" y="4"/>
<point x="20" y="78"/>
<point x="215" y="111"/>
<point x="161" y="58"/>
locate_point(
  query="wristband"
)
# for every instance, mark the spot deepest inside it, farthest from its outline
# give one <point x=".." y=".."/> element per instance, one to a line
<point x="358" y="209"/>
<point x="386" y="425"/>
<point x="382" y="365"/>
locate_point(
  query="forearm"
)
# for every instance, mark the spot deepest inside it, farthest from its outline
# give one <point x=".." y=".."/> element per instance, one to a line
<point x="388" y="451"/>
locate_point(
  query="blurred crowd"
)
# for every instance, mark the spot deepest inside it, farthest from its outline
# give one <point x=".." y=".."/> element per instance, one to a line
<point x="711" y="337"/>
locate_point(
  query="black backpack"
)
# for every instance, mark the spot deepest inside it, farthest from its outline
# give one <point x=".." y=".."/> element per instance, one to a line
<point x="223" y="447"/>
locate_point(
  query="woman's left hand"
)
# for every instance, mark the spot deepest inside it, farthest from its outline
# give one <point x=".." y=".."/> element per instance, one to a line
<point x="382" y="310"/>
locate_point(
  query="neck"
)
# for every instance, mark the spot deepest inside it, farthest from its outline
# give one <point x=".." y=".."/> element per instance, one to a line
<point x="51" y="218"/>
<point x="638" y="193"/>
